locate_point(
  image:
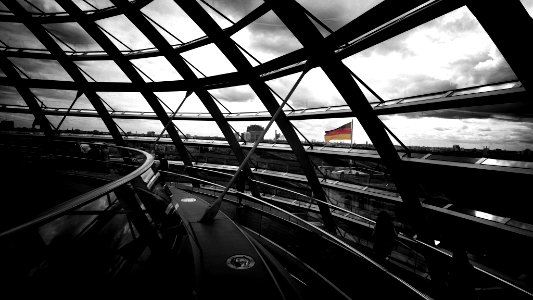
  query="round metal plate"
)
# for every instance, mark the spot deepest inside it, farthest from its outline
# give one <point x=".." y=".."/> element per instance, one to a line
<point x="240" y="262"/>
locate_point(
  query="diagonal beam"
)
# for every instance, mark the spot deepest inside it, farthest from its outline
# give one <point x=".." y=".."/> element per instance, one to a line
<point x="299" y="24"/>
<point x="293" y="16"/>
<point x="9" y="69"/>
<point x="506" y="25"/>
<point x="243" y="66"/>
<point x="40" y="32"/>
<point x="177" y="61"/>
<point x="127" y="67"/>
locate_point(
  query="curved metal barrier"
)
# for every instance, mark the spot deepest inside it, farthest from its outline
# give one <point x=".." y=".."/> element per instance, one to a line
<point x="302" y="201"/>
<point x="81" y="200"/>
<point x="303" y="223"/>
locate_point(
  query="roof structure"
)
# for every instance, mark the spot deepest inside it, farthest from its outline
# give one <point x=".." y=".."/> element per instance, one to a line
<point x="211" y="68"/>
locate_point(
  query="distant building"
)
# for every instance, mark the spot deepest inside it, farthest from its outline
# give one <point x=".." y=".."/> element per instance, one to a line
<point x="255" y="132"/>
<point x="150" y="133"/>
<point x="456" y="148"/>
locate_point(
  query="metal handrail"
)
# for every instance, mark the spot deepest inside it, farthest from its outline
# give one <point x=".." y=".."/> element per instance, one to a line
<point x="78" y="201"/>
<point x="400" y="236"/>
<point x="315" y="229"/>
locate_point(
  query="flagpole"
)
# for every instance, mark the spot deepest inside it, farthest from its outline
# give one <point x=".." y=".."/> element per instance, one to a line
<point x="351" y="135"/>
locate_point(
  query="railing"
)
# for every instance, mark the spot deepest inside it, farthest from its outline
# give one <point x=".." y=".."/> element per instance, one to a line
<point x="81" y="238"/>
<point x="296" y="220"/>
<point x="79" y="201"/>
<point x="407" y="250"/>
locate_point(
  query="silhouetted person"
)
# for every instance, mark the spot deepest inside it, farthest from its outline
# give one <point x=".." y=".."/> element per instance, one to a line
<point x="384" y="235"/>
<point x="461" y="276"/>
<point x="163" y="162"/>
<point x="94" y="153"/>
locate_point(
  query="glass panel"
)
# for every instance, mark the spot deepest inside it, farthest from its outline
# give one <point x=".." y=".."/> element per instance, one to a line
<point x="238" y="99"/>
<point x="234" y="10"/>
<point x="201" y="130"/>
<point x="171" y="17"/>
<point x="452" y="51"/>
<point x="102" y="70"/>
<point x="315" y="90"/>
<point x="209" y="60"/>
<point x="500" y="131"/>
<point x="220" y="20"/>
<point x="16" y="35"/>
<point x="99" y="4"/>
<point x="127" y="33"/>
<point x="129" y="101"/>
<point x="36" y="6"/>
<point x="86" y="125"/>
<point x="336" y="13"/>
<point x="62" y="99"/>
<point x="9" y="95"/>
<point x="157" y="68"/>
<point x="267" y="38"/>
<point x="149" y="128"/>
<point x="73" y="35"/>
<point x="41" y="68"/>
<point x="191" y="105"/>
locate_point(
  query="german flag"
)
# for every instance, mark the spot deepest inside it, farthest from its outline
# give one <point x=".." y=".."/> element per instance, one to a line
<point x="342" y="133"/>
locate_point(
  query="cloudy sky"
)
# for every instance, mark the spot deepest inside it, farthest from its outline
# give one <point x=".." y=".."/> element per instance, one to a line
<point x="450" y="52"/>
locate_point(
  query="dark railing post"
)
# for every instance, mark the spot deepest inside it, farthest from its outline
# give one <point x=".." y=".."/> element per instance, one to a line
<point x="130" y="202"/>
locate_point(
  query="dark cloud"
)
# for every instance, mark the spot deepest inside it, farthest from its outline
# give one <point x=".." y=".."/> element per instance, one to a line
<point x="441" y="128"/>
<point x="467" y="22"/>
<point x="235" y="9"/>
<point x="41" y="68"/>
<point x="43" y="5"/>
<point x="234" y="94"/>
<point x="18" y="36"/>
<point x="9" y="95"/>
<point x="73" y="35"/>
<point x="405" y="86"/>
<point x="496" y="70"/>
<point x="393" y="45"/>
<point x="277" y="43"/>
<point x="304" y="98"/>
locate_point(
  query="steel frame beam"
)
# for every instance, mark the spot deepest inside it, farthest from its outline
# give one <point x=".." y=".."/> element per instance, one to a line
<point x="95" y="15"/>
<point x="356" y="33"/>
<point x="69" y="66"/>
<point x="239" y="61"/>
<point x="127" y="67"/>
<point x="179" y="64"/>
<point x="293" y="16"/>
<point x="140" y="53"/>
<point x="506" y="25"/>
<point x="503" y="96"/>
<point x="9" y="69"/>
